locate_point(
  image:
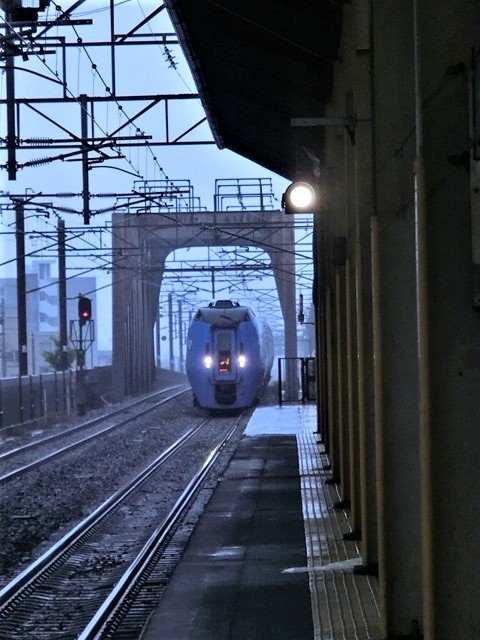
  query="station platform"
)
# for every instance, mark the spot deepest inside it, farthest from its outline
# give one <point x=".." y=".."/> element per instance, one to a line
<point x="267" y="559"/>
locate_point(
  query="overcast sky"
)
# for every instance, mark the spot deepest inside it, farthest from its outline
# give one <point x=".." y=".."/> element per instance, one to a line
<point x="141" y="70"/>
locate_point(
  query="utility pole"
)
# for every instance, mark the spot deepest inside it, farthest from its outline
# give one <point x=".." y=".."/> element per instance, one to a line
<point x="180" y="333"/>
<point x="86" y="188"/>
<point x="213" y="282"/>
<point x="10" y="94"/>
<point x="3" y="339"/>
<point x="62" y="295"/>
<point x="82" y="336"/>
<point x="170" y="331"/>
<point x="21" y="289"/>
<point x="158" y="354"/>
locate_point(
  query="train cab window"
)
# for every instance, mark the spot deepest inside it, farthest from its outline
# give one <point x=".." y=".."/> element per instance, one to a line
<point x="224" y="362"/>
<point x="224" y="353"/>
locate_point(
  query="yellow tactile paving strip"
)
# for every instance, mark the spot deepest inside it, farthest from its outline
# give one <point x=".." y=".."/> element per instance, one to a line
<point x="344" y="605"/>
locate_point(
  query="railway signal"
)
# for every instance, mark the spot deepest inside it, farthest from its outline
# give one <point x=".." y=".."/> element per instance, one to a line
<point x="82" y="340"/>
<point x="84" y="310"/>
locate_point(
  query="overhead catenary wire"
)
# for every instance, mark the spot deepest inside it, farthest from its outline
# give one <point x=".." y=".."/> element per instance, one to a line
<point x="97" y="73"/>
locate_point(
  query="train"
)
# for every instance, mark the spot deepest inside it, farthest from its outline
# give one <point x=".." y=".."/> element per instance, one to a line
<point x="229" y="356"/>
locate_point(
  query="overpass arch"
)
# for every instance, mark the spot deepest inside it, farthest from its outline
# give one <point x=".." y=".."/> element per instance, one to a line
<point x="141" y="245"/>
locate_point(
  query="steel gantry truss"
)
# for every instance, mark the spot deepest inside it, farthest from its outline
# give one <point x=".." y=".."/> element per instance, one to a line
<point x="240" y="244"/>
<point x="81" y="139"/>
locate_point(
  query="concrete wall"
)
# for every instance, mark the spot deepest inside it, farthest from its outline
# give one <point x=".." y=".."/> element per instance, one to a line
<point x="403" y="348"/>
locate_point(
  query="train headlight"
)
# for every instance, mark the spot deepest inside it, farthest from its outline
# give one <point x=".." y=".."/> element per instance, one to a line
<point x="208" y="361"/>
<point x="242" y="360"/>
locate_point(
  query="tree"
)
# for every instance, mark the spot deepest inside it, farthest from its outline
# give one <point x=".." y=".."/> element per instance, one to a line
<point x="54" y="358"/>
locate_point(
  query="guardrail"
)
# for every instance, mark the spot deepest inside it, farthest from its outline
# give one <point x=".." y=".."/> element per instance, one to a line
<point x="48" y="397"/>
<point x="296" y="380"/>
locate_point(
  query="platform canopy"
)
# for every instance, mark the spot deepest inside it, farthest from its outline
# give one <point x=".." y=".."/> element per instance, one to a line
<point x="257" y="65"/>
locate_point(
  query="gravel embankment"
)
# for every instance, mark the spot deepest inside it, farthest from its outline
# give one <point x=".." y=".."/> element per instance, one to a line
<point x="37" y="510"/>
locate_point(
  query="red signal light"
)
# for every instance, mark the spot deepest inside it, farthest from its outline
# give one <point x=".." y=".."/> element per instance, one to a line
<point x="84" y="309"/>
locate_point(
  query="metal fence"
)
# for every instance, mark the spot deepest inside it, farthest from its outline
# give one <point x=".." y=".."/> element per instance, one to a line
<point x="47" y="397"/>
<point x="296" y="380"/>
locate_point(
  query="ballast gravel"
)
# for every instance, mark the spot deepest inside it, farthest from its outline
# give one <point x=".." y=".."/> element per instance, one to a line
<point x="40" y="508"/>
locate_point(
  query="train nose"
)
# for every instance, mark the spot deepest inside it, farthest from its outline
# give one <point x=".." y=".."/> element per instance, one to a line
<point x="226" y="393"/>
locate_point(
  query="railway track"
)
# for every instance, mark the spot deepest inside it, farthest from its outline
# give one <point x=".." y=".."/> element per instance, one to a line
<point x="22" y="459"/>
<point x="84" y="585"/>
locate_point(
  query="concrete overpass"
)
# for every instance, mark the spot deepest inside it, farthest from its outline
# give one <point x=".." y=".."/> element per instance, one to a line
<point x="141" y="245"/>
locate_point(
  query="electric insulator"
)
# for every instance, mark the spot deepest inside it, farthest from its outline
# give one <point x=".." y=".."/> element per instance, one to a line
<point x="39" y="141"/>
<point x="39" y="162"/>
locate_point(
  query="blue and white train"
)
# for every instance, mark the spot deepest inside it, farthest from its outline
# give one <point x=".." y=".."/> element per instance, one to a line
<point x="229" y="356"/>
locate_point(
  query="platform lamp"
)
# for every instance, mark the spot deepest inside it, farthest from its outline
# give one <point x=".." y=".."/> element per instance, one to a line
<point x="300" y="197"/>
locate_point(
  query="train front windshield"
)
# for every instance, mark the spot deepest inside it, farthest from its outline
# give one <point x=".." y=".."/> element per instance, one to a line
<point x="224" y="353"/>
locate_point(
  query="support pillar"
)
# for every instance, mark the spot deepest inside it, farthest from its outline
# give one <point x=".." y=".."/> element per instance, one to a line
<point x="449" y="327"/>
<point x="394" y="290"/>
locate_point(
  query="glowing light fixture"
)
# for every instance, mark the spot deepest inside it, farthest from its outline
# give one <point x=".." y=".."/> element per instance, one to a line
<point x="300" y="197"/>
<point x="207" y="361"/>
<point x="84" y="310"/>
<point x="242" y="360"/>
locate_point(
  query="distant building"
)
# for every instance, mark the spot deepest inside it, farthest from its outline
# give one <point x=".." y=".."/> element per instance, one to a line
<point x="43" y="323"/>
